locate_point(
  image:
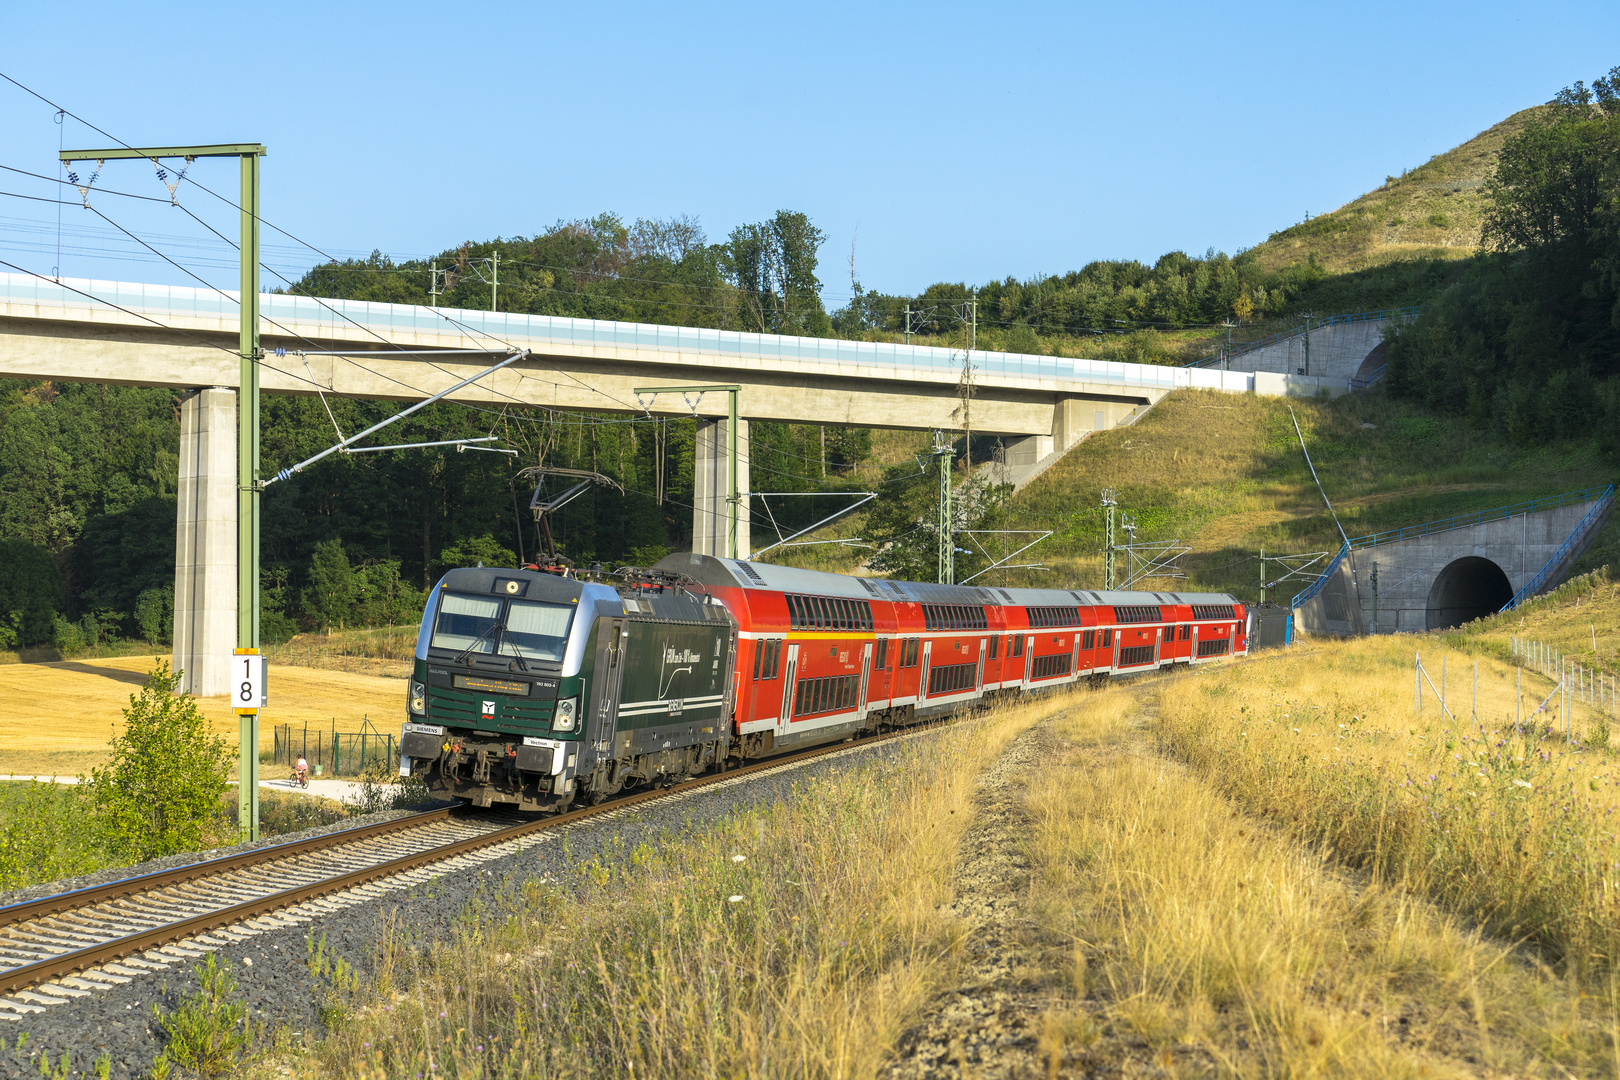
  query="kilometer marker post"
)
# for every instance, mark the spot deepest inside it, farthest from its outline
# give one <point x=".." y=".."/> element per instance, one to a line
<point x="249" y="694"/>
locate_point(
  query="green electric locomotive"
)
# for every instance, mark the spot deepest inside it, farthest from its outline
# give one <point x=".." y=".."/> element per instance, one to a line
<point x="536" y="689"/>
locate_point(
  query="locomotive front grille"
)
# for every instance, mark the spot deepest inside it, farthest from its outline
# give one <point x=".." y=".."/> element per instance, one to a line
<point x="525" y="717"/>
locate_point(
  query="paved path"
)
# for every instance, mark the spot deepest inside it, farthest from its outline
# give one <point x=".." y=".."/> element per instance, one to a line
<point x="331" y="789"/>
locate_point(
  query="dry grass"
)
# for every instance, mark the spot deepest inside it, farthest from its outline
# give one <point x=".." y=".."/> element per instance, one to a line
<point x="797" y="940"/>
<point x="1509" y="825"/>
<point x="56" y="719"/>
<point x="1205" y="942"/>
<point x="1432" y="211"/>
<point x="384" y="651"/>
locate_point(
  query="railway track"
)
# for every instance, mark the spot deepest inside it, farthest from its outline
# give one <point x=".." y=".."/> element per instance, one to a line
<point x="73" y="944"/>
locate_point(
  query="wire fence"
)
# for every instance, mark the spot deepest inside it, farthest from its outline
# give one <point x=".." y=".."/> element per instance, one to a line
<point x="338" y="657"/>
<point x="1243" y="349"/>
<point x="331" y="752"/>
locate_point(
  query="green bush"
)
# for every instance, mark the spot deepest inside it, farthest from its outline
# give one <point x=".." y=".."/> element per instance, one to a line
<point x="47" y="832"/>
<point x="208" y="1033"/>
<point x="160" y="792"/>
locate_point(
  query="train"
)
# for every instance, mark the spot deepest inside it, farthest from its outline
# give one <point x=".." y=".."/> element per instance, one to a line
<point x="538" y="687"/>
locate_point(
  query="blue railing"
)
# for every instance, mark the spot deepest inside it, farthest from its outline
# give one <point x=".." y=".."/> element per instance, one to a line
<point x="1315" y="324"/>
<point x="1577" y="536"/>
<point x="1600" y="496"/>
<point x="1310" y="591"/>
<point x="1373" y="377"/>
<point x="1463" y="521"/>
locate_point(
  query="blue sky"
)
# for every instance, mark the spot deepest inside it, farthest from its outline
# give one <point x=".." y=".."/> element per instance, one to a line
<point x="956" y="142"/>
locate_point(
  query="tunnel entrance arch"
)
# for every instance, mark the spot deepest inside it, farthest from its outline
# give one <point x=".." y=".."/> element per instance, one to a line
<point x="1467" y="589"/>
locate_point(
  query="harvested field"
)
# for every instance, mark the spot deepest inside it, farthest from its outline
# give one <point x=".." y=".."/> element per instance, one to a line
<point x="57" y="717"/>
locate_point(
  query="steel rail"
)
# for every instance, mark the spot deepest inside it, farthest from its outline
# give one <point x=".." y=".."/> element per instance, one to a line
<point x="71" y="962"/>
<point x="113" y="890"/>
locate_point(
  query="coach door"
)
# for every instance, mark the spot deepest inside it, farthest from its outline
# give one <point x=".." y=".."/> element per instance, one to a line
<point x="866" y="677"/>
<point x="790" y="685"/>
<point x="1029" y="657"/>
<point x="1074" y="660"/>
<point x="609" y="661"/>
<point x="984" y="651"/>
<point x="922" y="679"/>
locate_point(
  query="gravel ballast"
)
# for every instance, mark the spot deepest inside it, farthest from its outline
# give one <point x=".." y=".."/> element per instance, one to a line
<point x="272" y="968"/>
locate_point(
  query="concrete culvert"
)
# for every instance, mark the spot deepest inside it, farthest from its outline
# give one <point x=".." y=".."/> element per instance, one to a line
<point x="1469" y="588"/>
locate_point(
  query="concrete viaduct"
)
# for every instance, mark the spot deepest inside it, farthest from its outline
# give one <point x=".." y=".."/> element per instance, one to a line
<point x="145" y="335"/>
<point x="1445" y="573"/>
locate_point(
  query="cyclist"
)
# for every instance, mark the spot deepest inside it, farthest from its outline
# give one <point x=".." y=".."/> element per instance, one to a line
<point x="301" y="771"/>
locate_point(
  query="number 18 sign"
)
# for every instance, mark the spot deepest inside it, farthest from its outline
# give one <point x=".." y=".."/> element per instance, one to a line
<point x="248" y="690"/>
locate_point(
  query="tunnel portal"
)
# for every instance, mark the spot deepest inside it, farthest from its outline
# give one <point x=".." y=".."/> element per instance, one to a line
<point x="1469" y="588"/>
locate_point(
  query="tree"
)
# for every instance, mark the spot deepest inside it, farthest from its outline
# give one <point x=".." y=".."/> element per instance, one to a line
<point x="160" y="792"/>
<point x="332" y="586"/>
<point x="478" y="550"/>
<point x="1555" y="179"/>
<point x="773" y="265"/>
<point x="30" y="594"/>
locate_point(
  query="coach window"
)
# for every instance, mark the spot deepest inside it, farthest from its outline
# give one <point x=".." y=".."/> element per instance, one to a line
<point x="1108" y="638"/>
<point x="995" y="647"/>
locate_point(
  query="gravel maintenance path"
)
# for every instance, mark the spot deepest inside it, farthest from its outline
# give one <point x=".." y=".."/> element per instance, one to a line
<point x="114" y="1020"/>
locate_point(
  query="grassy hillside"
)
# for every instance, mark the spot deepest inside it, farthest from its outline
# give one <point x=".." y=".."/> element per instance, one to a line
<point x="1431" y="212"/>
<point x="1224" y="473"/>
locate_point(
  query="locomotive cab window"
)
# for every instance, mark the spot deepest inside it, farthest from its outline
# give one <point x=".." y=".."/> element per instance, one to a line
<point x="529" y="631"/>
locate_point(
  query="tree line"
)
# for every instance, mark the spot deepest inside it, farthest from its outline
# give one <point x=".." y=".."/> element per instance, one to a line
<point x="1527" y="341"/>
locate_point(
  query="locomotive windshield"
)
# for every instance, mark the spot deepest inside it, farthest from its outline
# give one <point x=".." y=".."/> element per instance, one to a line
<point x="524" y="629"/>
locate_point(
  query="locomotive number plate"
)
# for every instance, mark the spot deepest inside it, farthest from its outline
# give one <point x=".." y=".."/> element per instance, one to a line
<point x="495" y="686"/>
<point x="424" y="729"/>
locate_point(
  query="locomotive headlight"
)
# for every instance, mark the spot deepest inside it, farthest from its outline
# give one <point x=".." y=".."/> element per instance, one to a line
<point x="418" y="698"/>
<point x="564" y="720"/>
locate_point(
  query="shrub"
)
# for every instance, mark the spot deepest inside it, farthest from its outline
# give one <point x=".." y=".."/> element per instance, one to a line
<point x="159" y="793"/>
<point x="46" y="834"/>
<point x="208" y="1033"/>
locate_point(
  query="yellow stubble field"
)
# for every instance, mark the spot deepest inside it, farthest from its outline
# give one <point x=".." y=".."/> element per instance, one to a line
<point x="57" y="718"/>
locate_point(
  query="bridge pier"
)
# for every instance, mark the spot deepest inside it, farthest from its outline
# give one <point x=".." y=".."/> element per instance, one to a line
<point x="205" y="542"/>
<point x="711" y="490"/>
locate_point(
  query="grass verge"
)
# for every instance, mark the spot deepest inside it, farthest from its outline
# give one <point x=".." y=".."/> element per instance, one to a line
<point x="795" y="940"/>
<point x="1201" y="940"/>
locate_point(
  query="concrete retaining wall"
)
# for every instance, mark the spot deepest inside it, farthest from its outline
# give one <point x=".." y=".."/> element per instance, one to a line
<point x="1419" y="578"/>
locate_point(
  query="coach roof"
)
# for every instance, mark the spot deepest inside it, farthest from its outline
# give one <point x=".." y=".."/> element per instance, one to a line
<point x="742" y="574"/>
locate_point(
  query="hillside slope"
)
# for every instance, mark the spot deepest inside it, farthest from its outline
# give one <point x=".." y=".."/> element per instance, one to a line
<point x="1431" y="212"/>
<point x="1225" y="474"/>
